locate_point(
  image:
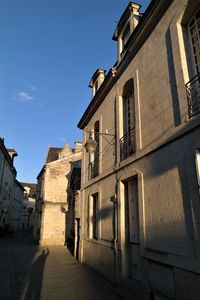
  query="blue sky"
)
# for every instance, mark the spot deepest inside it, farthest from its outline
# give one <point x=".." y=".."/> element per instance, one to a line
<point x="48" y="52"/>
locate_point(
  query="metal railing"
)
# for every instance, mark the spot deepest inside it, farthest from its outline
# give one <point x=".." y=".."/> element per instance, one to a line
<point x="193" y="96"/>
<point x="127" y="144"/>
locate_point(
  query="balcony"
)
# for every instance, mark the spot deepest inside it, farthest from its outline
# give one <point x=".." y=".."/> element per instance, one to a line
<point x="193" y="96"/>
<point x="127" y="144"/>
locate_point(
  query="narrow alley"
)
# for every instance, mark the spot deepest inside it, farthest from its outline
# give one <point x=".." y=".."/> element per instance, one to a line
<point x="29" y="271"/>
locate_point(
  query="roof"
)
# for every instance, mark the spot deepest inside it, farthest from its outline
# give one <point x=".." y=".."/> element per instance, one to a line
<point x="53" y="154"/>
<point x="32" y="187"/>
<point x="11" y="150"/>
<point x="146" y="25"/>
<point x="41" y="172"/>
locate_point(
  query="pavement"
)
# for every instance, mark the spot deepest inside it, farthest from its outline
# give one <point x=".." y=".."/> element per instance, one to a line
<point x="28" y="271"/>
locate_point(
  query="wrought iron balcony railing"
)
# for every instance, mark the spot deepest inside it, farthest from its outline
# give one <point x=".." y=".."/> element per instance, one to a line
<point x="94" y="169"/>
<point x="127" y="144"/>
<point x="193" y="96"/>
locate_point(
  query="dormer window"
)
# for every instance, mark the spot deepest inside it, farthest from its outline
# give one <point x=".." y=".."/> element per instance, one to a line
<point x="126" y="26"/>
<point x="125" y="36"/>
<point x="97" y="80"/>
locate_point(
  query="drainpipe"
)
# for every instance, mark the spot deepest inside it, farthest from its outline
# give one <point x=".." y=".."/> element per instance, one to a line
<point x="115" y="199"/>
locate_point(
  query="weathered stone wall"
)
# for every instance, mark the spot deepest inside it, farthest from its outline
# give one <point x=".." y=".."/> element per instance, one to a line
<point x="54" y="190"/>
<point x="164" y="160"/>
<point x="53" y="225"/>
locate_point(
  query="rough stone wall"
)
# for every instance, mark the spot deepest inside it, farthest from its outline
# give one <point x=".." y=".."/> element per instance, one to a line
<point x="55" y="199"/>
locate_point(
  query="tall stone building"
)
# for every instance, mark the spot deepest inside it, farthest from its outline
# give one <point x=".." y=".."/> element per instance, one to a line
<point x="11" y="191"/>
<point x="140" y="185"/>
<point x="51" y="202"/>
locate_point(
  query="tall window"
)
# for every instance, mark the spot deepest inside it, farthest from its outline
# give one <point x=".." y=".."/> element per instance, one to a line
<point x="94" y="159"/>
<point x="193" y="86"/>
<point x="127" y="142"/>
<point x="95" y="217"/>
<point x="194" y="31"/>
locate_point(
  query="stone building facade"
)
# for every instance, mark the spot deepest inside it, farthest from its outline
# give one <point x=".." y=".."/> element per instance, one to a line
<point x="140" y="186"/>
<point x="11" y="191"/>
<point x="15" y="206"/>
<point x="51" y="201"/>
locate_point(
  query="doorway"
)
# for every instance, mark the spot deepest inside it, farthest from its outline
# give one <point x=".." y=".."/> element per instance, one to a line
<point x="132" y="228"/>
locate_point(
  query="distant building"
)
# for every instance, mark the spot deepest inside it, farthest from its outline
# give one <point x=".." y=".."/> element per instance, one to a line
<point x="51" y="201"/>
<point x="11" y="191"/>
<point x="140" y="193"/>
<point x="28" y="205"/>
<point x="15" y="208"/>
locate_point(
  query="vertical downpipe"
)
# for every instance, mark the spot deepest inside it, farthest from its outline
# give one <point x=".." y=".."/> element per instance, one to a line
<point x="115" y="202"/>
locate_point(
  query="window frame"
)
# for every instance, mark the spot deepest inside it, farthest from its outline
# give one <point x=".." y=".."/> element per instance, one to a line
<point x="95" y="219"/>
<point x="195" y="64"/>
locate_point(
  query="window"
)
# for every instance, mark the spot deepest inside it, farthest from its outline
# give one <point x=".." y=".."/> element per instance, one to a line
<point x="94" y="157"/>
<point x="194" y="32"/>
<point x="127" y="142"/>
<point x="95" y="216"/>
<point x="193" y="86"/>
<point x="125" y="36"/>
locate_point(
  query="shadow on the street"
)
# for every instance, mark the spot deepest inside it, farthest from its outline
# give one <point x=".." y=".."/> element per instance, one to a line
<point x="35" y="277"/>
<point x="25" y="261"/>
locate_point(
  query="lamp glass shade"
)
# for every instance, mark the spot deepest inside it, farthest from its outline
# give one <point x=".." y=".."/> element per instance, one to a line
<point x="90" y="145"/>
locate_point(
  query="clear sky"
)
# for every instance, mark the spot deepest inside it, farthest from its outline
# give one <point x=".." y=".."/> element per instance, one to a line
<point x="49" y="50"/>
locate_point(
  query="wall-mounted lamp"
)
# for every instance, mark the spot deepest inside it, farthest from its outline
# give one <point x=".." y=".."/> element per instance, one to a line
<point x="91" y="143"/>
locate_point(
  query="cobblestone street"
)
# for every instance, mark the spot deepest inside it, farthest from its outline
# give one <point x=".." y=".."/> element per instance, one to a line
<point x="29" y="271"/>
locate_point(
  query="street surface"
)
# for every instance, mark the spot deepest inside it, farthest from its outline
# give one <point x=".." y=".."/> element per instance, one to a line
<point x="28" y="271"/>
